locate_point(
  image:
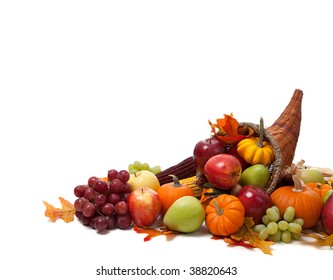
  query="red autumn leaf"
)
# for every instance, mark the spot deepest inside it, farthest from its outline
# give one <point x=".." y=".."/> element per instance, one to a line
<point x="227" y="129"/>
<point x="152" y="232"/>
<point x="65" y="213"/>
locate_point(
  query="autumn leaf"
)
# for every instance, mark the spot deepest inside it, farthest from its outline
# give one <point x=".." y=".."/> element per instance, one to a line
<point x="208" y="193"/>
<point x="227" y="129"/>
<point x="65" y="213"/>
<point x="152" y="232"/>
<point x="321" y="238"/>
<point x="248" y="238"/>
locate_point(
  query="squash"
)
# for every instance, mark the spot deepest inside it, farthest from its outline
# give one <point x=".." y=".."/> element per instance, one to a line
<point x="306" y="202"/>
<point x="170" y="192"/>
<point x="224" y="215"/>
<point x="319" y="188"/>
<point x="255" y="150"/>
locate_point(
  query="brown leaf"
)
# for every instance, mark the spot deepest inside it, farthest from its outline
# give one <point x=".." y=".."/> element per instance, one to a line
<point x="321" y="238"/>
<point x="65" y="213"/>
<point x="152" y="232"/>
<point x="247" y="234"/>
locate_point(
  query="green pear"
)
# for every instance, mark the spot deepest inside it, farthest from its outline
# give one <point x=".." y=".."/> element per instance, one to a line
<point x="255" y="175"/>
<point x="185" y="215"/>
<point x="311" y="175"/>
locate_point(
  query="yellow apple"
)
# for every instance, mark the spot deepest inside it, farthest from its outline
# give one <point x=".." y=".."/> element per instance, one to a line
<point x="143" y="179"/>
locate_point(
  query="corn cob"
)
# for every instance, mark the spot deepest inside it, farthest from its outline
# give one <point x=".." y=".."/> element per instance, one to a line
<point x="182" y="170"/>
<point x="191" y="182"/>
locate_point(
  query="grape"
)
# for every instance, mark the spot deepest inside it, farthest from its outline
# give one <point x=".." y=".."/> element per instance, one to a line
<point x="92" y="180"/>
<point x="257" y="228"/>
<point x="89" y="209"/>
<point x="263" y="234"/>
<point x="121" y="207"/>
<point x="286" y="236"/>
<point x="276" y="237"/>
<point x="294" y="227"/>
<point x="296" y="236"/>
<point x="111" y="220"/>
<point x="100" y="186"/>
<point x="266" y="220"/>
<point x="80" y="203"/>
<point x="123" y="175"/>
<point x="100" y="223"/>
<point x="299" y="221"/>
<point x="123" y="221"/>
<point x="112" y="174"/>
<point x="272" y="214"/>
<point x="114" y="198"/>
<point x="107" y="209"/>
<point x="100" y="199"/>
<point x="272" y="227"/>
<point x="156" y="169"/>
<point x="145" y="166"/>
<point x="124" y="196"/>
<point x="126" y="188"/>
<point x="116" y="186"/>
<point x="137" y="165"/>
<point x="79" y="190"/>
<point x="90" y="194"/>
<point x="289" y="214"/>
<point x="283" y="225"/>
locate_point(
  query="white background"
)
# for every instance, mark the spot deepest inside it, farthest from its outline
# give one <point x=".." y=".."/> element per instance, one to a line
<point x="87" y="86"/>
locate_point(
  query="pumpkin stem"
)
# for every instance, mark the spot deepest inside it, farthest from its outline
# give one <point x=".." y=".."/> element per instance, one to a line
<point x="298" y="184"/>
<point x="217" y="207"/>
<point x="261" y="132"/>
<point x="176" y="182"/>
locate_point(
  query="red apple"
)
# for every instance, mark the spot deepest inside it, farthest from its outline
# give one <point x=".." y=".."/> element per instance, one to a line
<point x="205" y="149"/>
<point x="255" y="201"/>
<point x="232" y="150"/>
<point x="223" y="171"/>
<point x="144" y="206"/>
<point x="327" y="215"/>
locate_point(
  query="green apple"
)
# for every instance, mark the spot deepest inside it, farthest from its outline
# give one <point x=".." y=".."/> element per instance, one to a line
<point x="185" y="215"/>
<point x="311" y="175"/>
<point x="143" y="179"/>
<point x="256" y="175"/>
<point x="327" y="195"/>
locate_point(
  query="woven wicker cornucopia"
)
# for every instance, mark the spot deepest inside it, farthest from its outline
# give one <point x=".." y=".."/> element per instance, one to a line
<point x="282" y="135"/>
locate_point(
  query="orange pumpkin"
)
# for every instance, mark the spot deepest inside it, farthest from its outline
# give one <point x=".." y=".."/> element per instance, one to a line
<point x="307" y="203"/>
<point x="170" y="192"/>
<point x="319" y="188"/>
<point x="224" y="215"/>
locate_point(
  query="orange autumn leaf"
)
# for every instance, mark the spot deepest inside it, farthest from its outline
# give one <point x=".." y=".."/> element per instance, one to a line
<point x="248" y="235"/>
<point x="66" y="212"/>
<point x="152" y="232"/>
<point x="227" y="129"/>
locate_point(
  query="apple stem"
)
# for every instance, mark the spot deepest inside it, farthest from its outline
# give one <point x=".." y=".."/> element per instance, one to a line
<point x="261" y="132"/>
<point x="298" y="184"/>
<point x="176" y="182"/>
<point x="217" y="207"/>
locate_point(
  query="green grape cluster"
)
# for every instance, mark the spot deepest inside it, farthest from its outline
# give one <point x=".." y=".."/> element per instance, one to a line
<point x="138" y="166"/>
<point x="277" y="228"/>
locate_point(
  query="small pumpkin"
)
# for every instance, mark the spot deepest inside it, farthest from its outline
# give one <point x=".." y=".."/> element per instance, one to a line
<point x="224" y="215"/>
<point x="307" y="203"/>
<point x="170" y="192"/>
<point x="319" y="188"/>
<point x="255" y="150"/>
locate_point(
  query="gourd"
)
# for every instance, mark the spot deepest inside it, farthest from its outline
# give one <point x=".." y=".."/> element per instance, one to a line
<point x="319" y="188"/>
<point x="306" y="202"/>
<point x="224" y="215"/>
<point x="255" y="150"/>
<point x="170" y="192"/>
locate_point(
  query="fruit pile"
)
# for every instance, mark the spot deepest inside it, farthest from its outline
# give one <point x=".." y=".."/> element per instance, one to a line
<point x="230" y="193"/>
